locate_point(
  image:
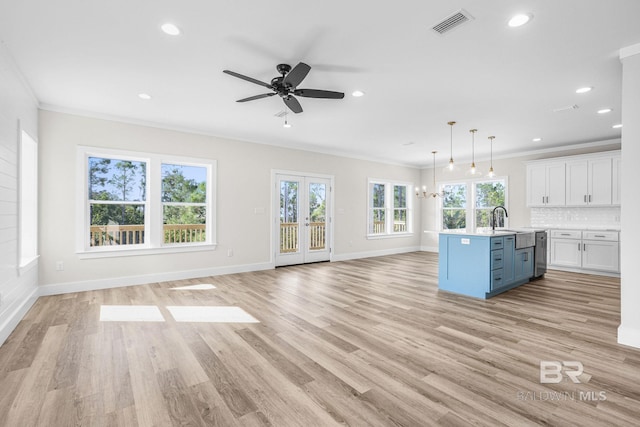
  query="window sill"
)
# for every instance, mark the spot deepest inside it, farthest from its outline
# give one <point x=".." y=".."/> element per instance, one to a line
<point x="125" y="252"/>
<point x="388" y="236"/>
<point x="27" y="265"/>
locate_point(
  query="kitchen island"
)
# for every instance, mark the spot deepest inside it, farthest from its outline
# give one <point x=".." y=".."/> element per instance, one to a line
<point x="484" y="264"/>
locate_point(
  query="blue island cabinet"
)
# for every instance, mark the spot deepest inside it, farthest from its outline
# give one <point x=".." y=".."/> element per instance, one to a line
<point x="482" y="266"/>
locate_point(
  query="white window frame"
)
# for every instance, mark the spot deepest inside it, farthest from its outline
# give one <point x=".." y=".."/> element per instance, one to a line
<point x="470" y="214"/>
<point x="28" y="205"/>
<point x="154" y="235"/>
<point x="389" y="208"/>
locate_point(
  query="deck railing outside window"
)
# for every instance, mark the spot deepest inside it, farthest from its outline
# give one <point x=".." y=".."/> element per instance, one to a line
<point x="112" y="235"/>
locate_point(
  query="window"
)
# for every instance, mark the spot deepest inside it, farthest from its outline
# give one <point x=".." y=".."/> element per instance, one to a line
<point x="389" y="209"/>
<point x="454" y="207"/>
<point x="457" y="214"/>
<point x="28" y="242"/>
<point x="184" y="203"/>
<point x="117" y="201"/>
<point x="141" y="203"/>
<point x="488" y="195"/>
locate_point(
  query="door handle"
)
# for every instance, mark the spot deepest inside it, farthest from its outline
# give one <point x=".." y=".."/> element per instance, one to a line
<point x="307" y="224"/>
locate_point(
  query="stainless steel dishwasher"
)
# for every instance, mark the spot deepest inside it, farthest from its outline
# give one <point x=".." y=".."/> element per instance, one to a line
<point x="540" y="254"/>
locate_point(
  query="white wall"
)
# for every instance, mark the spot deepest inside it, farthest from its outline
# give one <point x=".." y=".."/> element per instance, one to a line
<point x="629" y="330"/>
<point x="515" y="170"/>
<point x="244" y="176"/>
<point x="18" y="110"/>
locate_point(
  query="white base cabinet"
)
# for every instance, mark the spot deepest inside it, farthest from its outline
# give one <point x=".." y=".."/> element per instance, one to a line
<point x="585" y="250"/>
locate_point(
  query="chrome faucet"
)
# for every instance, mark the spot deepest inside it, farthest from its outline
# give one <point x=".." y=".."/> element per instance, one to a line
<point x="493" y="216"/>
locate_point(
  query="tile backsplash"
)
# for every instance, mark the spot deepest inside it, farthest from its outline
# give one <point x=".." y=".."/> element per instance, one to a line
<point x="576" y="217"/>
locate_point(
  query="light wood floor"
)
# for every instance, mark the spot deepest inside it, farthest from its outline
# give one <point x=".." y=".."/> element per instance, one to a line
<point x="365" y="343"/>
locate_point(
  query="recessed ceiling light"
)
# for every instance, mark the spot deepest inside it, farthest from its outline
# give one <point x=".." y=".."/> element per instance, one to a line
<point x="144" y="96"/>
<point x="357" y="93"/>
<point x="520" y="19"/>
<point x="584" y="89"/>
<point x="537" y="139"/>
<point x="618" y="126"/>
<point x="170" y="29"/>
<point x="604" y="111"/>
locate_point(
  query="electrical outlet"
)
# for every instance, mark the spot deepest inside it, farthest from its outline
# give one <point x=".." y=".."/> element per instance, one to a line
<point x="229" y="252"/>
<point x="59" y="266"/>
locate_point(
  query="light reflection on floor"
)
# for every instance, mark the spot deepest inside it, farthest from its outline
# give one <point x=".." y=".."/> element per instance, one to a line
<point x="200" y="287"/>
<point x="151" y="313"/>
<point x="211" y="314"/>
<point x="130" y="313"/>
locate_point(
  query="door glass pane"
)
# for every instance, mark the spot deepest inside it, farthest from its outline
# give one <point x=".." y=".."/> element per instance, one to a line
<point x="289" y="216"/>
<point x="317" y="216"/>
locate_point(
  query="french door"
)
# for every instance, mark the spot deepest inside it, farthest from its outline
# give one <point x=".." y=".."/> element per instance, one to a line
<point x="303" y="224"/>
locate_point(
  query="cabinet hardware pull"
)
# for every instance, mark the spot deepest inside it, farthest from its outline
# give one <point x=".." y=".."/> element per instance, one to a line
<point x="585" y="198"/>
<point x="584" y="246"/>
<point x="589" y="198"/>
<point x="599" y="235"/>
<point x="565" y="234"/>
<point x="497" y="278"/>
<point x="543" y="199"/>
<point x="579" y="246"/>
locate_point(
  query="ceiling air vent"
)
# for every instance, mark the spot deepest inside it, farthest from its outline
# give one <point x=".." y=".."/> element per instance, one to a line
<point x="452" y="21"/>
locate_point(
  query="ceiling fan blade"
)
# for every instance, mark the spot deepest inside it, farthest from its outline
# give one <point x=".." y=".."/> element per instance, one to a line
<point x="317" y="93"/>
<point x="251" y="98"/>
<point x="249" y="79"/>
<point x="296" y="75"/>
<point x="293" y="104"/>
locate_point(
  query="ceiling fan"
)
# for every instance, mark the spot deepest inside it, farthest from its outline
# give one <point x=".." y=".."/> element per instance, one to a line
<point x="286" y="86"/>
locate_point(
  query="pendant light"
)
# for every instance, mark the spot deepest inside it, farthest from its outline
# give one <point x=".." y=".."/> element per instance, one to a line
<point x="491" y="172"/>
<point x="472" y="171"/>
<point x="451" y="145"/>
<point x="433" y="194"/>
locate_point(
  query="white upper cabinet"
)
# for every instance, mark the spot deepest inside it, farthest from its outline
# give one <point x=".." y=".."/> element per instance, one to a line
<point x="589" y="182"/>
<point x="545" y="184"/>
<point x="617" y="180"/>
<point x="586" y="180"/>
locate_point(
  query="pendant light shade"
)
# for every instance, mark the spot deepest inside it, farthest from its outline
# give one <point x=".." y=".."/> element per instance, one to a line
<point x="451" y="164"/>
<point x="491" y="172"/>
<point x="472" y="171"/>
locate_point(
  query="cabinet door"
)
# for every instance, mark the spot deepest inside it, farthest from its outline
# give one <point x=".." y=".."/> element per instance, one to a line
<point x="576" y="182"/>
<point x="600" y="255"/>
<point x="616" y="181"/>
<point x="536" y="185"/>
<point x="523" y="264"/>
<point x="509" y="259"/>
<point x="600" y="182"/>
<point x="566" y="252"/>
<point x="556" y="192"/>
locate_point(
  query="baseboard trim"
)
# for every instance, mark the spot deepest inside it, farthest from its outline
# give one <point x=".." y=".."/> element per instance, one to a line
<point x="429" y="249"/>
<point x="629" y="336"/>
<point x="18" y="314"/>
<point x="370" y="254"/>
<point x="583" y="271"/>
<point x="117" y="282"/>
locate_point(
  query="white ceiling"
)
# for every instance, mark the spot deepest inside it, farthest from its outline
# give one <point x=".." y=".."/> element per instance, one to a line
<point x="95" y="58"/>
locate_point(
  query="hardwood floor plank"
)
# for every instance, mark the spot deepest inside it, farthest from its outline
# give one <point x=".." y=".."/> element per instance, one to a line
<point x="367" y="342"/>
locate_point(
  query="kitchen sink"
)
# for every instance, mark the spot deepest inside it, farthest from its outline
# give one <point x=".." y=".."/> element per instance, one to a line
<point x="524" y="238"/>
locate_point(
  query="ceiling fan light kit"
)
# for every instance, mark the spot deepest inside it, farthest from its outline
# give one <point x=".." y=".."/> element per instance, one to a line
<point x="286" y="86"/>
